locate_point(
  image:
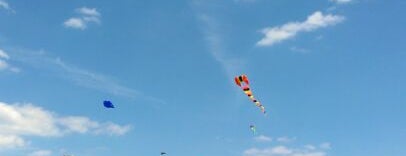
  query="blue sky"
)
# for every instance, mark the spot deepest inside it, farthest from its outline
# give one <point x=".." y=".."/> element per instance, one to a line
<point x="331" y="74"/>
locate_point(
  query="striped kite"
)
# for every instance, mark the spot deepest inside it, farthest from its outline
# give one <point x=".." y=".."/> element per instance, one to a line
<point x="243" y="82"/>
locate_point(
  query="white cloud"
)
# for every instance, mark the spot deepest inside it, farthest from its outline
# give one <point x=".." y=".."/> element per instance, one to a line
<point x="78" y="124"/>
<point x="19" y="120"/>
<point x="41" y="153"/>
<point x="4" y="55"/>
<point x="15" y="69"/>
<point x="113" y="129"/>
<point x="87" y="16"/>
<point x="341" y="1"/>
<point x="274" y="151"/>
<point x="285" y="151"/>
<point x="4" y="5"/>
<point x="27" y="120"/>
<point x="299" y="50"/>
<point x="310" y="147"/>
<point x="11" y="141"/>
<point x="282" y="150"/>
<point x="315" y="21"/>
<point x="76" y="23"/>
<point x="88" y="11"/>
<point x="325" y="145"/>
<point x="245" y="1"/>
<point x="285" y="139"/>
<point x="263" y="138"/>
<point x="84" y="125"/>
<point x="4" y="65"/>
<point x="91" y="19"/>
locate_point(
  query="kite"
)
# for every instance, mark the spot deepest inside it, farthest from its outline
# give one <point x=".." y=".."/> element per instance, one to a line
<point x="253" y="129"/>
<point x="108" y="104"/>
<point x="243" y="82"/>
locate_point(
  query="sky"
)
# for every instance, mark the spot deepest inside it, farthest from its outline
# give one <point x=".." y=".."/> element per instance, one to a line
<point x="331" y="74"/>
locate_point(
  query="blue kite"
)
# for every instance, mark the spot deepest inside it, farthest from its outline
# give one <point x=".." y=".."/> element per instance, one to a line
<point x="108" y="104"/>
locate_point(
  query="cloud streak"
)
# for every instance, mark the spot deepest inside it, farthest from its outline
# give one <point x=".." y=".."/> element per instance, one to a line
<point x="341" y="1"/>
<point x="76" y="23"/>
<point x="41" y="153"/>
<point x="20" y="120"/>
<point x="263" y="138"/>
<point x="308" y="150"/>
<point x="299" y="50"/>
<point x="80" y="77"/>
<point x="11" y="141"/>
<point x="215" y="42"/>
<point x="313" y="22"/>
<point x="245" y="1"/>
<point x="4" y="65"/>
<point x="93" y="80"/>
<point x="85" y="11"/>
<point x="4" y="5"/>
<point x="283" y="150"/>
<point x="86" y="16"/>
<point x="285" y="139"/>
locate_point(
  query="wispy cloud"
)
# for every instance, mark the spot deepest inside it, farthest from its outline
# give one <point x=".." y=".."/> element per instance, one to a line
<point x="41" y="153"/>
<point x="325" y="146"/>
<point x="285" y="139"/>
<point x="79" y="124"/>
<point x="79" y="76"/>
<point x="88" y="11"/>
<point x="263" y="138"/>
<point x="310" y="147"/>
<point x="74" y="22"/>
<point x="4" y="55"/>
<point x="341" y="1"/>
<point x="212" y="34"/>
<point x="299" y="50"/>
<point x="20" y="120"/>
<point x="93" y="80"/>
<point x="4" y="5"/>
<point x="280" y="150"/>
<point x="315" y="21"/>
<point x="245" y="1"/>
<point x="86" y="16"/>
<point x="283" y="151"/>
<point x="4" y="65"/>
<point x="11" y="141"/>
